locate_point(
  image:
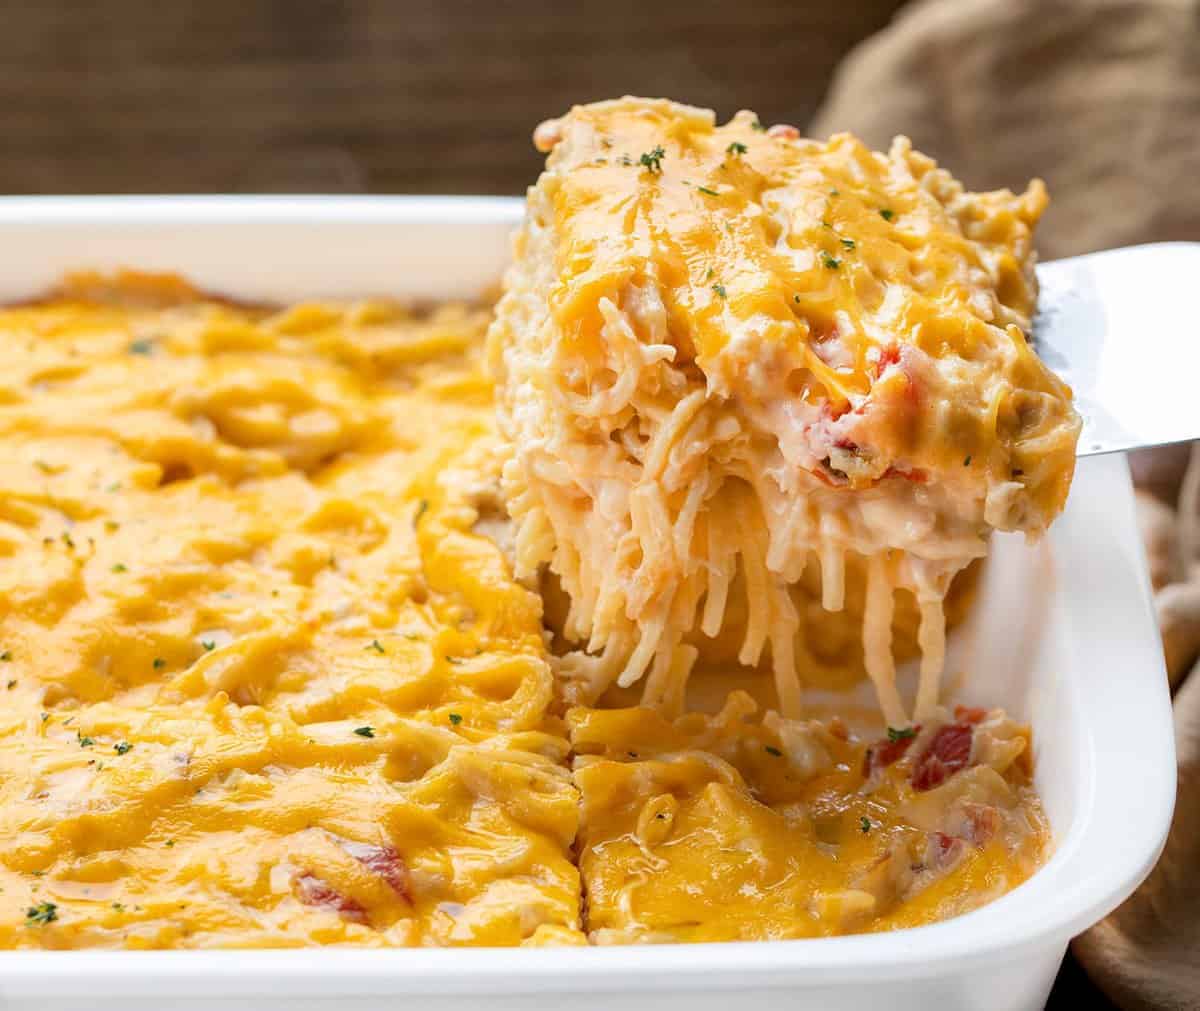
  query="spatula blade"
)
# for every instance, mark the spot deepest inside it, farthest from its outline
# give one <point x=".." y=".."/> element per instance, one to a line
<point x="1122" y="327"/>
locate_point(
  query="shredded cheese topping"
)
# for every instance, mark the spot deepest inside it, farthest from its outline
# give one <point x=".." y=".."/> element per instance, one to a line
<point x="269" y="679"/>
<point x="728" y="355"/>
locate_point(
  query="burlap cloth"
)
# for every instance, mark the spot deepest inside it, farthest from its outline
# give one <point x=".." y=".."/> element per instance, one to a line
<point x="1102" y="100"/>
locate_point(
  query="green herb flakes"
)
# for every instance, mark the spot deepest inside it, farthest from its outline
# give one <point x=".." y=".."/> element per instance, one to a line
<point x="651" y="161"/>
<point x="41" y="914"/>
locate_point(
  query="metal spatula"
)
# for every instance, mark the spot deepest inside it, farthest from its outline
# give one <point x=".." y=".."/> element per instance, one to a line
<point x="1123" y="328"/>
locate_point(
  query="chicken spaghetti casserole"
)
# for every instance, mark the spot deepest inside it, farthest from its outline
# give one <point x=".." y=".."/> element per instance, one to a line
<point x="325" y="624"/>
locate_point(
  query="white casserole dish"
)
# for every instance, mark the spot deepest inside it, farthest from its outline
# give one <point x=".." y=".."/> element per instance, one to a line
<point x="1063" y="635"/>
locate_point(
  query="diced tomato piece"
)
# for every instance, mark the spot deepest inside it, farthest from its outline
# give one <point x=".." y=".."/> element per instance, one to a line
<point x="313" y="891"/>
<point x="970" y="714"/>
<point x="885" y="752"/>
<point x="948" y="752"/>
<point x="839" y="729"/>
<point x="943" y="850"/>
<point x="890" y="355"/>
<point x="915" y="475"/>
<point x="784" y="130"/>
<point x="982" y="822"/>
<point x="384" y="861"/>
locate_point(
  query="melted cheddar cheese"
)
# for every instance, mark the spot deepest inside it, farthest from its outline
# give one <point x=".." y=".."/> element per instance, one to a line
<point x="720" y="828"/>
<point x="270" y="680"/>
<point x="265" y="685"/>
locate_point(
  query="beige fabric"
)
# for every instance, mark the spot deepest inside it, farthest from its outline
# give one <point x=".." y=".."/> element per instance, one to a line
<point x="1101" y="99"/>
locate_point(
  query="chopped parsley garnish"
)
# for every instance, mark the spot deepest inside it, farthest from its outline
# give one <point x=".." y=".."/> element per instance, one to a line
<point x="848" y="243"/>
<point x="122" y="747"/>
<point x="901" y="734"/>
<point x="42" y="913"/>
<point x="705" y="189"/>
<point x="736" y="148"/>
<point x="719" y="289"/>
<point x="422" y="506"/>
<point x="455" y="718"/>
<point x="115" y="486"/>
<point x="120" y="908"/>
<point x="377" y="646"/>
<point x="84" y="740"/>
<point x="159" y="663"/>
<point x="835" y="192"/>
<point x="828" y="262"/>
<point x="208" y="645"/>
<point x="772" y="750"/>
<point x="142" y="347"/>
<point x="455" y="659"/>
<point x="12" y="683"/>
<point x="120" y="567"/>
<point x="43" y="466"/>
<point x="365" y="731"/>
<point x="169" y="843"/>
<point x="6" y="656"/>
<point x="886" y="213"/>
<point x="67" y="539"/>
<point x="757" y="125"/>
<point x="652" y="160"/>
<point x="709" y="275"/>
<point x="865" y="822"/>
<point x="967" y="461"/>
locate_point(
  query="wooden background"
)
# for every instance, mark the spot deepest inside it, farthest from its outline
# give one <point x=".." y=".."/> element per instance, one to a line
<point x="127" y="96"/>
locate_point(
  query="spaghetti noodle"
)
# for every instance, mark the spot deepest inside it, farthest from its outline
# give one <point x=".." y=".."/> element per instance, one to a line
<point x="728" y="354"/>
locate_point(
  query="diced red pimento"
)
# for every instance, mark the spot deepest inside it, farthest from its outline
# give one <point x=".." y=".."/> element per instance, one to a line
<point x="947" y="753"/>
<point x="313" y="891"/>
<point x="970" y="714"/>
<point x="887" y="751"/>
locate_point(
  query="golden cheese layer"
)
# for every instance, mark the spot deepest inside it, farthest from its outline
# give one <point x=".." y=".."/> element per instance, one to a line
<point x="727" y="355"/>
<point x="722" y="828"/>
<point x="270" y="681"/>
<point x="265" y="685"/>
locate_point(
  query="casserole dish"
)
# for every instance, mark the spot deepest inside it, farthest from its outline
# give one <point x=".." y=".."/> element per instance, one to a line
<point x="1063" y="636"/>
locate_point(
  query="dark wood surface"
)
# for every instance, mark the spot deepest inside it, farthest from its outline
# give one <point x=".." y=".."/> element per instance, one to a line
<point x="124" y="96"/>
